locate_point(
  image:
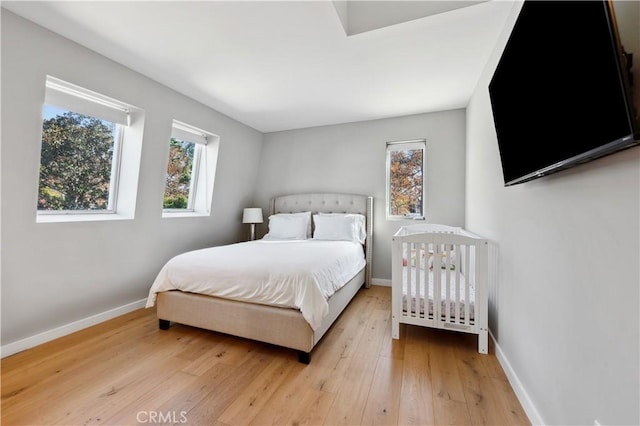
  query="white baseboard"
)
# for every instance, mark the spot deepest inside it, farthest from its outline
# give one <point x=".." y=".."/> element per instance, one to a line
<point x="521" y="393"/>
<point x="30" y="342"/>
<point x="381" y="282"/>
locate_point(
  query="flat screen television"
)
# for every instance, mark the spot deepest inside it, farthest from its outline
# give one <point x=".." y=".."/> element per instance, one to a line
<point x="564" y="91"/>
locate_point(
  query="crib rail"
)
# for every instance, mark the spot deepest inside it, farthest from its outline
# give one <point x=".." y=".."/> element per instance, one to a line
<point x="439" y="279"/>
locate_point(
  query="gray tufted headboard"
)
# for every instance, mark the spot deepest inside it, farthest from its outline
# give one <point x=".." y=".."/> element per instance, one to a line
<point x="332" y="203"/>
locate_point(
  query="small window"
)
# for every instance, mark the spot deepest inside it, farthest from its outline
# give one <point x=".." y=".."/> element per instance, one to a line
<point x="82" y="134"/>
<point x="189" y="167"/>
<point x="405" y="179"/>
<point x="182" y="175"/>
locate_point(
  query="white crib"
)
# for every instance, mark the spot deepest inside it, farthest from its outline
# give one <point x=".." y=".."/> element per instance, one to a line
<point x="440" y="263"/>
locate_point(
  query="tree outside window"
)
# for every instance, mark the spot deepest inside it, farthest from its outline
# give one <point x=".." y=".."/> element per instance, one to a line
<point x="76" y="162"/>
<point x="180" y="170"/>
<point x="405" y="178"/>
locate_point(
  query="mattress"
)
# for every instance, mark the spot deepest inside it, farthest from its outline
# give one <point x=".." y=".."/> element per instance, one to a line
<point x="292" y="274"/>
<point x="428" y="294"/>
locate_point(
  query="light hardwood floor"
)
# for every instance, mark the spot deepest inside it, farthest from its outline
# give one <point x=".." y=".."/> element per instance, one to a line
<point x="127" y="371"/>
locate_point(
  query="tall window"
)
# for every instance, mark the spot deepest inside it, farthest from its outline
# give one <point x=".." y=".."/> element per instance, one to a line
<point x="186" y="148"/>
<point x="82" y="133"/>
<point x="405" y="179"/>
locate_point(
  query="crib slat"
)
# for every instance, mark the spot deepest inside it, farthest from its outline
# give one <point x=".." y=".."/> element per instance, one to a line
<point x="437" y="277"/>
<point x="416" y="299"/>
<point x="452" y="287"/>
<point x="409" y="281"/>
<point x="416" y="302"/>
<point x="410" y="302"/>
<point x="469" y="275"/>
<point x="457" y="253"/>
<point x="447" y="282"/>
<point x="425" y="281"/>
<point x="444" y="302"/>
<point x="421" y="273"/>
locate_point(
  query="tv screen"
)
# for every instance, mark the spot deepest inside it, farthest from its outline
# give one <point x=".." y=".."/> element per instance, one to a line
<point x="562" y="92"/>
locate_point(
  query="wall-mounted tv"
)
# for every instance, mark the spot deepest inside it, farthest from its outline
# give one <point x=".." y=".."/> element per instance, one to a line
<point x="565" y="90"/>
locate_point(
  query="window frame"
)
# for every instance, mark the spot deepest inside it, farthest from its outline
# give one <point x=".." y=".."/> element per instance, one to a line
<point x="76" y="99"/>
<point x="404" y="145"/>
<point x="195" y="175"/>
<point x="115" y="169"/>
<point x="206" y="151"/>
<point x="193" y="183"/>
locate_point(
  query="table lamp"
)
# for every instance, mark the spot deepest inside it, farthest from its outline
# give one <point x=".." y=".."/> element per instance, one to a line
<point x="252" y="215"/>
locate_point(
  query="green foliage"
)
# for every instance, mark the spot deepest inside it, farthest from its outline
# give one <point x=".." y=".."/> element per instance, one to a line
<point x="75" y="163"/>
<point x="175" y="202"/>
<point x="179" y="169"/>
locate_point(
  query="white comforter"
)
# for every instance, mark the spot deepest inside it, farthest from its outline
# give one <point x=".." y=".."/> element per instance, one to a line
<point x="292" y="274"/>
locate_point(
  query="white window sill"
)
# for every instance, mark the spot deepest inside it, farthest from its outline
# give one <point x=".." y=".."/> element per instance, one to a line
<point x="407" y="219"/>
<point x="71" y="217"/>
<point x="174" y="214"/>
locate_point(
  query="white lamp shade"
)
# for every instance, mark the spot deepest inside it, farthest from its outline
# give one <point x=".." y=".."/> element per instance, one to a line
<point x="252" y="215"/>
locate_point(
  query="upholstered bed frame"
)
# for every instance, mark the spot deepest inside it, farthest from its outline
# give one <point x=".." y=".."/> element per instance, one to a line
<point x="279" y="326"/>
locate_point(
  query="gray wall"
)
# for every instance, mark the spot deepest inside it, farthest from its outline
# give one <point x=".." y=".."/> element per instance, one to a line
<point x="57" y="273"/>
<point x="565" y="310"/>
<point x="351" y="158"/>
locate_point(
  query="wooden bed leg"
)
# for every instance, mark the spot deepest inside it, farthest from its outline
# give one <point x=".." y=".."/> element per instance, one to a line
<point x="164" y="324"/>
<point x="304" y="357"/>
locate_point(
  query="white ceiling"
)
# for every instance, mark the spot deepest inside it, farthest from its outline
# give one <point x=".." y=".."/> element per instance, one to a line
<point x="289" y="64"/>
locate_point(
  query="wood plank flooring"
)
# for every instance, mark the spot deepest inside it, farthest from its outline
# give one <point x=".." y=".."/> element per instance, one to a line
<point x="127" y="371"/>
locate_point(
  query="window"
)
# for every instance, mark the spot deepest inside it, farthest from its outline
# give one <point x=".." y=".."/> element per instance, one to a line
<point x="192" y="158"/>
<point x="405" y="179"/>
<point x="82" y="151"/>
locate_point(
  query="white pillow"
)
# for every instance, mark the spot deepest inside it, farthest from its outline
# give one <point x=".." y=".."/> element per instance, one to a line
<point x="360" y="223"/>
<point x="340" y="227"/>
<point x="306" y="215"/>
<point x="287" y="227"/>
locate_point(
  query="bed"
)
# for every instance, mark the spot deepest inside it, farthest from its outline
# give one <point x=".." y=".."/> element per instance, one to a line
<point x="439" y="280"/>
<point x="231" y="289"/>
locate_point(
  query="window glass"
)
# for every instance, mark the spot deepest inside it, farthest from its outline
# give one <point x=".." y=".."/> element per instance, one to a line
<point x="181" y="178"/>
<point x="405" y="179"/>
<point x="78" y="162"/>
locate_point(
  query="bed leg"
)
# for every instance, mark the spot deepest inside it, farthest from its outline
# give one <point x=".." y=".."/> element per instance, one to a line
<point x="483" y="341"/>
<point x="164" y="324"/>
<point x="304" y="357"/>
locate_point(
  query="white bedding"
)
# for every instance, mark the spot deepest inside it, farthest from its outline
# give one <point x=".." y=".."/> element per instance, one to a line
<point x="292" y="274"/>
<point x="443" y="295"/>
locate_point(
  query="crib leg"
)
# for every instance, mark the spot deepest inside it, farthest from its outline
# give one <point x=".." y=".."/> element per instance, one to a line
<point x="483" y="341"/>
<point x="395" y="328"/>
